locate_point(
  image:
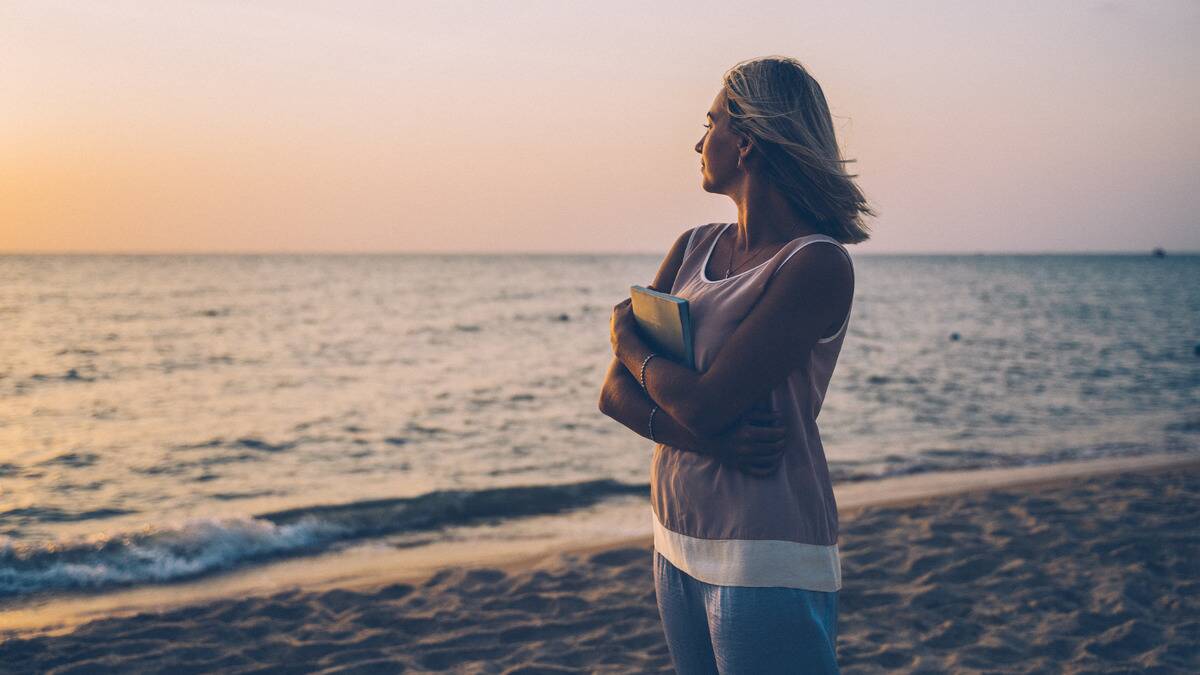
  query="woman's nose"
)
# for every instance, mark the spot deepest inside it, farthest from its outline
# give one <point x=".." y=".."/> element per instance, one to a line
<point x="698" y="145"/>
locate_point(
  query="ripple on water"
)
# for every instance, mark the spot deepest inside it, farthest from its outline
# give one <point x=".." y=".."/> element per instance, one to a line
<point x="255" y="443"/>
<point x="72" y="459"/>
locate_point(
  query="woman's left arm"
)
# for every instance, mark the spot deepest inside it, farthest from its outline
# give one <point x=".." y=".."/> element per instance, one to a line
<point x="807" y="298"/>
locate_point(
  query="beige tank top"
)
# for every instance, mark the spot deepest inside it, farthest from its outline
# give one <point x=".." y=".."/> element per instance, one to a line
<point x="716" y="523"/>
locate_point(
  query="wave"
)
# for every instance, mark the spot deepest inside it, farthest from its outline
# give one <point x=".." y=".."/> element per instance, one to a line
<point x="205" y="546"/>
<point x="935" y="460"/>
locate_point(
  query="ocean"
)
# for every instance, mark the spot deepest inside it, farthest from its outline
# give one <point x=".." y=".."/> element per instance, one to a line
<point x="169" y="417"/>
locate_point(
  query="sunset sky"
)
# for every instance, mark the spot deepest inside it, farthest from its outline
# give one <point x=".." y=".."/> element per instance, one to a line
<point x="569" y="126"/>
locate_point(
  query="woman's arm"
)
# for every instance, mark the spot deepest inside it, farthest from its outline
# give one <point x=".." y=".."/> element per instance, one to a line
<point x="623" y="400"/>
<point x="755" y="446"/>
<point x="611" y="391"/>
<point x="806" y="298"/>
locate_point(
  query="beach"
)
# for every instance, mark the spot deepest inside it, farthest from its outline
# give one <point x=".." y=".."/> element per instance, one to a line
<point x="310" y="313"/>
<point x="1093" y="572"/>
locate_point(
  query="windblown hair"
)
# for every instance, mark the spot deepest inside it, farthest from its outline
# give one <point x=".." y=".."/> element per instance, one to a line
<point x="781" y="108"/>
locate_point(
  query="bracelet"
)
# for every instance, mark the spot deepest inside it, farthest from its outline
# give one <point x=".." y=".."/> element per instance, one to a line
<point x="642" y="374"/>
<point x="652" y="411"/>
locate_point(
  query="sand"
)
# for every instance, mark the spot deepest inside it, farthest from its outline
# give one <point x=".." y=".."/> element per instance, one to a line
<point x="1092" y="574"/>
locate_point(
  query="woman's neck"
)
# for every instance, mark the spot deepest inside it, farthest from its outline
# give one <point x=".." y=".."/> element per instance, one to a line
<point x="765" y="218"/>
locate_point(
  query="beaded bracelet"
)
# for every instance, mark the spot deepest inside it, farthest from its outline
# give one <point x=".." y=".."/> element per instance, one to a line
<point x="652" y="411"/>
<point x="642" y="374"/>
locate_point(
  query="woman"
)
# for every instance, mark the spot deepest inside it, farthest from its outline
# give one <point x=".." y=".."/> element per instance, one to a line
<point x="746" y="563"/>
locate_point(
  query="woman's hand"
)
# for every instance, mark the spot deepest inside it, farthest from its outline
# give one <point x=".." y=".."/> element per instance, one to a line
<point x="755" y="445"/>
<point x="622" y="326"/>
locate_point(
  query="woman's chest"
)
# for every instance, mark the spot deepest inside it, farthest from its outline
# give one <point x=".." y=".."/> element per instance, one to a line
<point x="716" y="311"/>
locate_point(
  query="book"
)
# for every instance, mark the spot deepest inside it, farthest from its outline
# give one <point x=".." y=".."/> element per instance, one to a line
<point x="664" y="321"/>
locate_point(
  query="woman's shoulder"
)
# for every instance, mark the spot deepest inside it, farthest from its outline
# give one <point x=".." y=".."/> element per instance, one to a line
<point x="809" y="253"/>
<point x="677" y="258"/>
<point x="815" y="287"/>
<point x="819" y="268"/>
<point x="702" y="233"/>
<point x="687" y="240"/>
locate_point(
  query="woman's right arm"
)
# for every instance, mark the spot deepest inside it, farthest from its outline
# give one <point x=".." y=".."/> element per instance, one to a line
<point x="755" y="443"/>
<point x="621" y="397"/>
<point x="623" y="400"/>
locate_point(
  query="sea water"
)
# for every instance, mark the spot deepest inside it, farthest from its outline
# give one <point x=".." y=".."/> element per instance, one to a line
<point x="166" y="417"/>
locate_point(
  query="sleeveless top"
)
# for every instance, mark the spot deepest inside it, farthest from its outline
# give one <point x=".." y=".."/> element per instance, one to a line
<point x="712" y="521"/>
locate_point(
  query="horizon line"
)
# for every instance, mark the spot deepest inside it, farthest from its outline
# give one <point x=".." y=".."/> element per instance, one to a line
<point x="82" y="253"/>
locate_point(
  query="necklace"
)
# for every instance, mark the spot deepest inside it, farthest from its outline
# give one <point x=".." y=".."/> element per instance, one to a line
<point x="729" y="267"/>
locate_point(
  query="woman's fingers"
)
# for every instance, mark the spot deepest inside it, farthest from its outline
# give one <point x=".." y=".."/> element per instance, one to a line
<point x="755" y="435"/>
<point x="758" y="420"/>
<point x="761" y="417"/>
<point x="763" y="404"/>
<point x="760" y="463"/>
<point x="756" y="441"/>
<point x="758" y="470"/>
<point x="759" y="453"/>
<point x="760" y="441"/>
<point x="764" y="432"/>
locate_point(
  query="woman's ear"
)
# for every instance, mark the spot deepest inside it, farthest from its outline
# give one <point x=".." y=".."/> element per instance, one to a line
<point x="745" y="146"/>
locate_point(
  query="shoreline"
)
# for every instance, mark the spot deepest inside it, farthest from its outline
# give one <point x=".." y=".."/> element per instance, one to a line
<point x="1090" y="570"/>
<point x="550" y="539"/>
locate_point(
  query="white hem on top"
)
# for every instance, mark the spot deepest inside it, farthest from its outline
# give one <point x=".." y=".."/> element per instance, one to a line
<point x="751" y="562"/>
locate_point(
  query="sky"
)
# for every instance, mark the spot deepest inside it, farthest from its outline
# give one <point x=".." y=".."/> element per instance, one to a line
<point x="562" y="126"/>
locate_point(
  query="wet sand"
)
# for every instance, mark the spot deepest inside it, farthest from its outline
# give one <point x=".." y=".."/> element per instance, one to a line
<point x="1095" y="573"/>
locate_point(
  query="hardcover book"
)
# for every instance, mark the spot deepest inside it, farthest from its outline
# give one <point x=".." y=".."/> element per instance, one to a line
<point x="664" y="321"/>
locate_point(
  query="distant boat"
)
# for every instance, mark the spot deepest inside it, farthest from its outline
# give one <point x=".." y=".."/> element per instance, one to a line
<point x="1159" y="253"/>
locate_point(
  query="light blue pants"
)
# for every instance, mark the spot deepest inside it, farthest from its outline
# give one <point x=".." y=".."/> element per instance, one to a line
<point x="744" y="630"/>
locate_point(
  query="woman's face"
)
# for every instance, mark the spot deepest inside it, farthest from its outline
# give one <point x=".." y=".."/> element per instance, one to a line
<point x="719" y="149"/>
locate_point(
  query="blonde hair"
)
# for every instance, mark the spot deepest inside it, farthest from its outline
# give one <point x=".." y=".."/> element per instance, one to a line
<point x="775" y="102"/>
